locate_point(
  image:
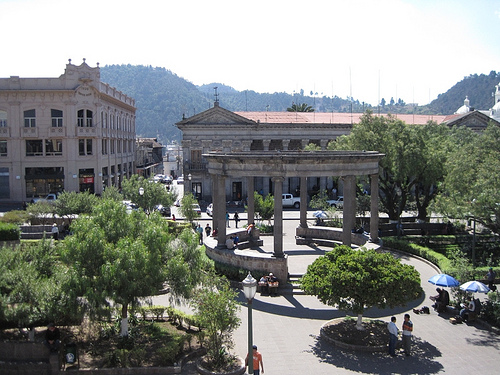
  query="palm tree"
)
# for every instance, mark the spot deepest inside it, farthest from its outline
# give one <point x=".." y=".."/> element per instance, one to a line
<point x="300" y="108"/>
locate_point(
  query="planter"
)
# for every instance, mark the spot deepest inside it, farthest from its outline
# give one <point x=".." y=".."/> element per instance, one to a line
<point x="238" y="368"/>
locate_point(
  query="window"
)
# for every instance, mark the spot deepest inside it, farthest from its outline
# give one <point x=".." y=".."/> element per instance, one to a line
<point x="3" y="119"/>
<point x="104" y="146"/>
<point x="57" y="118"/>
<point x="112" y="146"/>
<point x="85" y="146"/>
<point x="3" y="148"/>
<point x="30" y="118"/>
<point x="84" y="118"/>
<point x="34" y="147"/>
<point x="53" y="147"/>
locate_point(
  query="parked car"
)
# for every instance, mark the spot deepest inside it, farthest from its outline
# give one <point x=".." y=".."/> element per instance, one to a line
<point x="288" y="200"/>
<point x="180" y="180"/>
<point x="197" y="208"/>
<point x="163" y="210"/>
<point x="210" y="209"/>
<point x="49" y="198"/>
<point x="337" y="203"/>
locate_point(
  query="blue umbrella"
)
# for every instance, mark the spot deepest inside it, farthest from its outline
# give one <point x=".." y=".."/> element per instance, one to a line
<point x="475" y="287"/>
<point x="320" y="214"/>
<point x="443" y="280"/>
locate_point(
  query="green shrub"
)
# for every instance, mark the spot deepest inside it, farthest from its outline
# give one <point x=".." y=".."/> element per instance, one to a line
<point x="15" y="217"/>
<point x="169" y="352"/>
<point x="9" y="232"/>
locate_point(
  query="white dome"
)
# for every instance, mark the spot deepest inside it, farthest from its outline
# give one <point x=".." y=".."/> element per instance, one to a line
<point x="465" y="108"/>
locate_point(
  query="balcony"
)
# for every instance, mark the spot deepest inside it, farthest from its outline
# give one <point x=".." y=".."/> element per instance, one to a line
<point x="197" y="166"/>
<point x="58" y="131"/>
<point x="86" y="132"/>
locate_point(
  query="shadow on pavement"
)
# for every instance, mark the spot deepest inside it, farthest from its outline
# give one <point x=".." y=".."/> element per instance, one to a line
<point x="422" y="361"/>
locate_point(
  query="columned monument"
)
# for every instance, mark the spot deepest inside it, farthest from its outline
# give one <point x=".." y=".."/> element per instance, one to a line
<point x="279" y="165"/>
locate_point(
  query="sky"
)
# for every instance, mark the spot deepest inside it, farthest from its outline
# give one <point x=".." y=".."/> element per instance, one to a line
<point x="365" y="49"/>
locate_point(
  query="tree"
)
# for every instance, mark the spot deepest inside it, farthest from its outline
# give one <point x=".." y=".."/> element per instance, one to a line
<point x="300" y="108"/>
<point x="412" y="157"/>
<point x="153" y="193"/>
<point x="122" y="257"/>
<point x="216" y="309"/>
<point x="355" y="280"/>
<point x="264" y="207"/>
<point x="41" y="210"/>
<point x="186" y="209"/>
<point x="472" y="185"/>
<point x="74" y="203"/>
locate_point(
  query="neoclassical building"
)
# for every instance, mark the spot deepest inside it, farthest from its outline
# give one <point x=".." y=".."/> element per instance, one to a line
<point x="218" y="129"/>
<point x="71" y="133"/>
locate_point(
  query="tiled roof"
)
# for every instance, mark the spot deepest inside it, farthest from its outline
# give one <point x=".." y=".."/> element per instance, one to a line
<point x="329" y="118"/>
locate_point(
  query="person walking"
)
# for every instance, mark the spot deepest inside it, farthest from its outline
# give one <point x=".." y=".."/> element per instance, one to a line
<point x="257" y="361"/>
<point x="491" y="276"/>
<point x="393" y="336"/>
<point x="199" y="230"/>
<point x="236" y="219"/>
<point x="407" y="330"/>
<point x="227" y="219"/>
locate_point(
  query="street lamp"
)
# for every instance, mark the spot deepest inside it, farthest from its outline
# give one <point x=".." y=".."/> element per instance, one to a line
<point x="249" y="289"/>
<point x="190" y="187"/>
<point x="141" y="191"/>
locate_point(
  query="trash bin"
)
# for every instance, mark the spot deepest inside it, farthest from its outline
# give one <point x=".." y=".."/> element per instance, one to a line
<point x="70" y="353"/>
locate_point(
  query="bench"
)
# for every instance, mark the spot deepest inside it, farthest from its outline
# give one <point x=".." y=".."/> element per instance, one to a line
<point x="245" y="240"/>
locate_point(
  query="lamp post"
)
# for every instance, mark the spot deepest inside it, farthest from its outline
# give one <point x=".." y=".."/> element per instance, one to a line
<point x="189" y="184"/>
<point x="249" y="289"/>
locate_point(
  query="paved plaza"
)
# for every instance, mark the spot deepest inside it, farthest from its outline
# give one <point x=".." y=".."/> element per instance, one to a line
<point x="286" y="330"/>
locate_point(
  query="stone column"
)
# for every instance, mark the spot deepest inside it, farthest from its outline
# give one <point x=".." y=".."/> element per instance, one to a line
<point x="278" y="217"/>
<point x="251" y="201"/>
<point x="349" y="213"/>
<point x="266" y="143"/>
<point x="303" y="202"/>
<point x="374" y="208"/>
<point x="285" y="143"/>
<point x="219" y="209"/>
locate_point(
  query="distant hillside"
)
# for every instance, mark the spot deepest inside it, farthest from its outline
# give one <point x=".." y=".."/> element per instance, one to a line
<point x="162" y="98"/>
<point x="478" y="88"/>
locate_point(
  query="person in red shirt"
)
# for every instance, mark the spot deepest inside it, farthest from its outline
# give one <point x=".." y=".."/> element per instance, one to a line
<point x="257" y="361"/>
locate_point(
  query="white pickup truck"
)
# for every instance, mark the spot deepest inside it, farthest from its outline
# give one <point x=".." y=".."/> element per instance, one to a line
<point x="288" y="200"/>
<point x="49" y="198"/>
<point x="337" y="203"/>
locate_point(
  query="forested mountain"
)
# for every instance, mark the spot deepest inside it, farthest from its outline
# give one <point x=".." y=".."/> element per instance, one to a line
<point x="163" y="98"/>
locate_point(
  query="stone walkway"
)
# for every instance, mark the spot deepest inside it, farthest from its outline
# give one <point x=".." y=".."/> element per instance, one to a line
<point x="286" y="330"/>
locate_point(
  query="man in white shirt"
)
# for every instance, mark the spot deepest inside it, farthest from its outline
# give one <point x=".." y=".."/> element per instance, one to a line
<point x="393" y="336"/>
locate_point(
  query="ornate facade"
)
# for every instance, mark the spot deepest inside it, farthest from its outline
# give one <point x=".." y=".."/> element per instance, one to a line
<point x="71" y="133"/>
<point x="218" y="129"/>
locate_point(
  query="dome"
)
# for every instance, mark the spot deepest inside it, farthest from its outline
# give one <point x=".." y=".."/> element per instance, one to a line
<point x="465" y="108"/>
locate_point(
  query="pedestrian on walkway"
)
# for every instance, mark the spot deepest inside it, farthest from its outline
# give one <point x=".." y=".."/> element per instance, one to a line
<point x="393" y="336"/>
<point x="236" y="219"/>
<point x="227" y="219"/>
<point x="407" y="330"/>
<point x="199" y="230"/>
<point x="257" y="361"/>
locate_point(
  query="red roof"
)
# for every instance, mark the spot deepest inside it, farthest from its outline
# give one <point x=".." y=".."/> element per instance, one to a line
<point x="329" y="118"/>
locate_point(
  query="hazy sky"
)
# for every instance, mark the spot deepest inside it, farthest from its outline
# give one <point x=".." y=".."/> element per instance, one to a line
<point x="412" y="49"/>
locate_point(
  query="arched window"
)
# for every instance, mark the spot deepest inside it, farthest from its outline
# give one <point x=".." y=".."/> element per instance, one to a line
<point x="84" y="118"/>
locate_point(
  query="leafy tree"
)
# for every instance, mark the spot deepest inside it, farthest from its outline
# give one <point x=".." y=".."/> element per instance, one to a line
<point x="300" y="108"/>
<point x="33" y="287"/>
<point x="120" y="257"/>
<point x="154" y="193"/>
<point x="216" y="309"/>
<point x="471" y="186"/>
<point x="74" y="203"/>
<point x="186" y="209"/>
<point x="112" y="192"/>
<point x="355" y="280"/>
<point x="42" y="210"/>
<point x="264" y="207"/>
<point x="412" y="159"/>
<point x="312" y="147"/>
<point x="319" y="201"/>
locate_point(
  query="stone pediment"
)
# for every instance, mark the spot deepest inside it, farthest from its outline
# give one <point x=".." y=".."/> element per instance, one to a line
<point x="474" y="120"/>
<point x="216" y="116"/>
